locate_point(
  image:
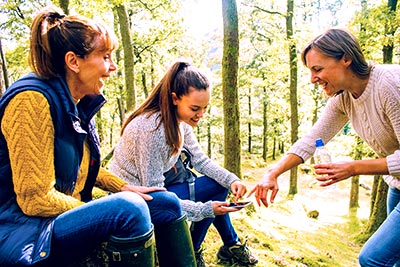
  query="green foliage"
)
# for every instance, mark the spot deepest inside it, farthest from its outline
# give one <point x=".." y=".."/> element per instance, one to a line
<point x="160" y="36"/>
<point x="374" y="20"/>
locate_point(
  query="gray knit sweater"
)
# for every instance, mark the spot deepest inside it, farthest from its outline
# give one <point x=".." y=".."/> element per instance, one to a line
<point x="142" y="156"/>
<point x="375" y="116"/>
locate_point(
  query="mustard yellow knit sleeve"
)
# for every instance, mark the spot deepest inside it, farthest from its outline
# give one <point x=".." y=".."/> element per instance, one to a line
<point x="108" y="181"/>
<point x="28" y="129"/>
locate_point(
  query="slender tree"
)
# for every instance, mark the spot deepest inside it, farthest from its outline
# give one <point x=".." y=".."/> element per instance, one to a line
<point x="294" y="120"/>
<point x="124" y="27"/>
<point x="64" y="5"/>
<point x="232" y="147"/>
<point x="355" y="180"/>
<point x="249" y="122"/>
<point x="379" y="195"/>
<point x="390" y="29"/>
<point x="265" y="124"/>
<point x="4" y="82"/>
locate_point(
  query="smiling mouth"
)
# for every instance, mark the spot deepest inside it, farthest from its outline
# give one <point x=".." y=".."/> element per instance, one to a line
<point x="323" y="85"/>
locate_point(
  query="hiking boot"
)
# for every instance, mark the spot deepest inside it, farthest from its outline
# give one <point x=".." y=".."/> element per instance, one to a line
<point x="199" y="258"/>
<point x="238" y="253"/>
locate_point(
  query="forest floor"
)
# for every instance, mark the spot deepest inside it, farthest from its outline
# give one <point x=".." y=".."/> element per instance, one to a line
<point x="283" y="235"/>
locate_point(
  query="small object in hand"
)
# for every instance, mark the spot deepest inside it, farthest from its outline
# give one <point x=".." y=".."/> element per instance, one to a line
<point x="240" y="205"/>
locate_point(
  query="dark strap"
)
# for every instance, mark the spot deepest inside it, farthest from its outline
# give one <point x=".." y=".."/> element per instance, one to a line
<point x="191" y="184"/>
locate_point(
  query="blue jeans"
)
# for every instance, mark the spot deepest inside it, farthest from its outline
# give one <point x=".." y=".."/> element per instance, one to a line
<point x="207" y="189"/>
<point x="78" y="231"/>
<point x="383" y="247"/>
<point x="164" y="208"/>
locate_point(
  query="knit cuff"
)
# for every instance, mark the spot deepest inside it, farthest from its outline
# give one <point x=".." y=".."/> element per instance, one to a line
<point x="393" y="163"/>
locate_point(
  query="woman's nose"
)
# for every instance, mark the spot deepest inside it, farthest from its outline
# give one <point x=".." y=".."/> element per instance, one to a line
<point x="314" y="78"/>
<point x="113" y="66"/>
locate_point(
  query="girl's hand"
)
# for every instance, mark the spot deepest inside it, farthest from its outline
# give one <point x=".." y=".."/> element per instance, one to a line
<point x="221" y="208"/>
<point x="238" y="189"/>
<point x="142" y="190"/>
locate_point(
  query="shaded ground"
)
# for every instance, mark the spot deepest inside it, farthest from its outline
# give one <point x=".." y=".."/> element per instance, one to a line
<point x="283" y="235"/>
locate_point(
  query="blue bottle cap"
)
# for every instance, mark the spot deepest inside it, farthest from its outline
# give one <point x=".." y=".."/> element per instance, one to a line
<point x="319" y="142"/>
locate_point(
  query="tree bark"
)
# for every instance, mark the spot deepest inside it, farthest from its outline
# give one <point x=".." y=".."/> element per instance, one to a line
<point x="124" y="27"/>
<point x="232" y="146"/>
<point x="64" y="5"/>
<point x="294" y="121"/>
<point x="265" y="125"/>
<point x="378" y="210"/>
<point x="389" y="31"/>
<point x="4" y="81"/>
<point x="249" y="123"/>
<point x="355" y="180"/>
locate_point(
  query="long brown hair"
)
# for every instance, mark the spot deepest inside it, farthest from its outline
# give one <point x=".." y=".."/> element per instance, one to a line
<point x="53" y="34"/>
<point x="178" y="78"/>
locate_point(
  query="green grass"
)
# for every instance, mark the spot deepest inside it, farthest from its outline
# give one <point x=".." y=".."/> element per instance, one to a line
<point x="283" y="235"/>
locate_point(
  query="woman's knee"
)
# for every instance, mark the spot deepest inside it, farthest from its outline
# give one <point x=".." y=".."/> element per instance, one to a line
<point x="167" y="201"/>
<point x="363" y="258"/>
<point x="131" y="204"/>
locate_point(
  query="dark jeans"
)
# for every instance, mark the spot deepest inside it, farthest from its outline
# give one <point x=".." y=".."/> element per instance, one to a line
<point x="207" y="189"/>
<point x="164" y="208"/>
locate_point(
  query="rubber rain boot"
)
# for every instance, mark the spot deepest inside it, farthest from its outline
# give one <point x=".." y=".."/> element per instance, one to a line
<point x="129" y="252"/>
<point x="174" y="244"/>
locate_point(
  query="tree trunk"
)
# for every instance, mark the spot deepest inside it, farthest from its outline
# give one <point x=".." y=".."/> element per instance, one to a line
<point x="389" y="31"/>
<point x="124" y="27"/>
<point x="355" y="180"/>
<point x="209" y="145"/>
<point x="64" y="5"/>
<point x="378" y="207"/>
<point x="4" y="82"/>
<point x="265" y="125"/>
<point x="378" y="198"/>
<point x="294" y="121"/>
<point x="274" y="149"/>
<point x="232" y="146"/>
<point x="249" y="123"/>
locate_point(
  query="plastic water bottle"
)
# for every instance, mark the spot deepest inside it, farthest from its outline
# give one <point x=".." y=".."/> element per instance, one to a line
<point x="321" y="154"/>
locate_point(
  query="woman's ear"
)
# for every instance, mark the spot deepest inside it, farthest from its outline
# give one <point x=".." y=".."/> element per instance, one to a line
<point x="347" y="60"/>
<point x="174" y="99"/>
<point x="71" y="61"/>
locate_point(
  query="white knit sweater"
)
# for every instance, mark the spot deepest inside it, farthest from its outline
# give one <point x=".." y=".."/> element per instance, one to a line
<point x="375" y="116"/>
<point x="142" y="156"/>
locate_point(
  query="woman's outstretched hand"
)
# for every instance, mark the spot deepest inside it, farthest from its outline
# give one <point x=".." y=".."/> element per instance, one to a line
<point x="268" y="185"/>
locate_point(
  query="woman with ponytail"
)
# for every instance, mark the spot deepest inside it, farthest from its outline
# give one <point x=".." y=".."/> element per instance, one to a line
<point x="152" y="139"/>
<point x="50" y="157"/>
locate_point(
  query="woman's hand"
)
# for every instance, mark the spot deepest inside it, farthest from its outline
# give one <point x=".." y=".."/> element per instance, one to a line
<point x="334" y="172"/>
<point x="142" y="190"/>
<point x="330" y="173"/>
<point x="262" y="188"/>
<point x="238" y="189"/>
<point x="221" y="208"/>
